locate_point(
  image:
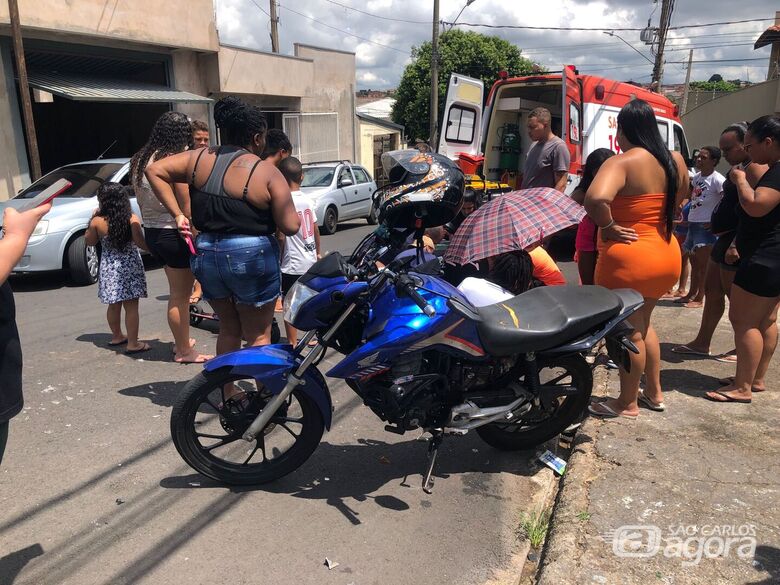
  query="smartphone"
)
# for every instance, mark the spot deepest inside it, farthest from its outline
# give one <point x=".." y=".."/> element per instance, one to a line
<point x="188" y="239"/>
<point x="45" y="196"/>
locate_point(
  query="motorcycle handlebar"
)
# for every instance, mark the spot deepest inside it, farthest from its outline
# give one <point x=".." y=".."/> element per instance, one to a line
<point x="407" y="285"/>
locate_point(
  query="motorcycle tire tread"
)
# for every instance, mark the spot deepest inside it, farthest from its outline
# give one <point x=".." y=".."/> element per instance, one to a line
<point x="574" y="408"/>
<point x="182" y="433"/>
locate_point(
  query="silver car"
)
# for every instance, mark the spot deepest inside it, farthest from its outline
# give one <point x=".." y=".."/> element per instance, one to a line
<point x="58" y="241"/>
<point x="340" y="191"/>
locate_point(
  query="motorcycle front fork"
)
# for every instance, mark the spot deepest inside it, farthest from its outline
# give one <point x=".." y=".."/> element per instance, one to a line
<point x="296" y="377"/>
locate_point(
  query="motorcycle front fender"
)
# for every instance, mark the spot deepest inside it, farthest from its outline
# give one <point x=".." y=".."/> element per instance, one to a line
<point x="270" y="364"/>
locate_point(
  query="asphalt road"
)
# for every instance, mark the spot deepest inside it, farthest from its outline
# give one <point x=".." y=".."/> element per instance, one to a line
<point x="93" y="491"/>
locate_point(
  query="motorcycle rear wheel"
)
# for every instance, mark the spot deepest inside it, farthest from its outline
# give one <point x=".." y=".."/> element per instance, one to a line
<point x="201" y="414"/>
<point x="539" y="426"/>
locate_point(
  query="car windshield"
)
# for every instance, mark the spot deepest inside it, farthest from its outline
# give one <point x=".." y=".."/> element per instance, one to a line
<point x="85" y="178"/>
<point x="317" y="176"/>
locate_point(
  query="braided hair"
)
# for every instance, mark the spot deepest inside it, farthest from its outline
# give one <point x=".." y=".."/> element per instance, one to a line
<point x="171" y="134"/>
<point x="238" y="122"/>
<point x="114" y="207"/>
<point x="513" y="271"/>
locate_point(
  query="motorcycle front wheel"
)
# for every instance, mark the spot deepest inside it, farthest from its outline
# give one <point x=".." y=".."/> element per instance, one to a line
<point x="542" y="424"/>
<point x="207" y="429"/>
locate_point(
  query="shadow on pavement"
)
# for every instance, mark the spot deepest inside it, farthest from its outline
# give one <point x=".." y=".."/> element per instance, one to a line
<point x="12" y="564"/>
<point x="160" y="393"/>
<point x="41" y="281"/>
<point x="161" y="351"/>
<point x="768" y="558"/>
<point x="668" y="355"/>
<point x="688" y="382"/>
<point x="340" y="473"/>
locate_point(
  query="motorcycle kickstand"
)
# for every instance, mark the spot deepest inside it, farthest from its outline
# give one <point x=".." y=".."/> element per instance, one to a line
<point x="433" y="449"/>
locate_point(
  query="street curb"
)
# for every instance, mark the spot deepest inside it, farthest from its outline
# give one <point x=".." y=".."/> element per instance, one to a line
<point x="561" y="553"/>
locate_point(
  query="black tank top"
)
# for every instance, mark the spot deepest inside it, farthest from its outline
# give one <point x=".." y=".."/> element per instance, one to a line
<point x="214" y="211"/>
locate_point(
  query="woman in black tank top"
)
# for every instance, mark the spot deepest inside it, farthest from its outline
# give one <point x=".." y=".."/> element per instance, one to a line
<point x="724" y="258"/>
<point x="238" y="203"/>
<point x="755" y="293"/>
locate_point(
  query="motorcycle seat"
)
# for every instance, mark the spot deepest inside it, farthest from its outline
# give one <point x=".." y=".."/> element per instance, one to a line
<point x="544" y="317"/>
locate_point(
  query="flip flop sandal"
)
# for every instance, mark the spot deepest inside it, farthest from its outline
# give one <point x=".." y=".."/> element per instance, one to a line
<point x="143" y="348"/>
<point x="727" y="397"/>
<point x="686" y="350"/>
<point x="727" y="358"/>
<point x="645" y="401"/>
<point x="201" y="359"/>
<point x="602" y="410"/>
<point x="117" y="343"/>
<point x="730" y="380"/>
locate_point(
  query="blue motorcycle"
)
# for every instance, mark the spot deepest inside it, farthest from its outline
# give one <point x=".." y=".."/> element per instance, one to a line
<point x="418" y="354"/>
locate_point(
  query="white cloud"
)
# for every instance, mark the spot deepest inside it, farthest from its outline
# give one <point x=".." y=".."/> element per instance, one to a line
<point x="241" y="22"/>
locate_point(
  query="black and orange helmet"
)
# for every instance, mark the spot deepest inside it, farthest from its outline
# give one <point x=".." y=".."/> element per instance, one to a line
<point x="424" y="189"/>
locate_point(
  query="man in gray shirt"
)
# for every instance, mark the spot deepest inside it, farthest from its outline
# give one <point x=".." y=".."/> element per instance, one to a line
<point x="547" y="162"/>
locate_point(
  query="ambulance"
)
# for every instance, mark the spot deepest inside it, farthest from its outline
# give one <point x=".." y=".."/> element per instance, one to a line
<point x="492" y="142"/>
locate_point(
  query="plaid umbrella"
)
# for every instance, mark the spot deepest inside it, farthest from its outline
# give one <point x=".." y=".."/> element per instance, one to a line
<point x="513" y="221"/>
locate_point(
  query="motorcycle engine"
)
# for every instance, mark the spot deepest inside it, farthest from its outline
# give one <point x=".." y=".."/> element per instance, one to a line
<point x="412" y="394"/>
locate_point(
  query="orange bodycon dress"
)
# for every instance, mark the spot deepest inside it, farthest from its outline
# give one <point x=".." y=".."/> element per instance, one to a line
<point x="651" y="265"/>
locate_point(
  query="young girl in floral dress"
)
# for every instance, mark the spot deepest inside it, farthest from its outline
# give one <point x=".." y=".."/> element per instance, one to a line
<point x="122" y="279"/>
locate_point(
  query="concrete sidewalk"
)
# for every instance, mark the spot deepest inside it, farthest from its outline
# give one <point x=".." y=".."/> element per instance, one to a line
<point x="686" y="496"/>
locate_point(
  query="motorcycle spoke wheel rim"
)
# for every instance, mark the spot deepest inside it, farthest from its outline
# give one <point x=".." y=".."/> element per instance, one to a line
<point x="218" y="425"/>
<point x="548" y="376"/>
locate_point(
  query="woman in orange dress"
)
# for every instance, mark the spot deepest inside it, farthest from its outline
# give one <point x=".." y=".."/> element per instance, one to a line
<point x="633" y="200"/>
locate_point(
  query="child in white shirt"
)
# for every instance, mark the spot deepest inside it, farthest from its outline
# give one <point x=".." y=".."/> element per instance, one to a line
<point x="302" y="250"/>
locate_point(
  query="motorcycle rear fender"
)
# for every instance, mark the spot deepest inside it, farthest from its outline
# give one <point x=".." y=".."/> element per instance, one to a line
<point x="270" y="365"/>
<point x="632" y="302"/>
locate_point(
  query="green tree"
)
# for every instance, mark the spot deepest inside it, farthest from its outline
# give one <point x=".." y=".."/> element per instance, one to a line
<point x="466" y="52"/>
<point x="715" y="85"/>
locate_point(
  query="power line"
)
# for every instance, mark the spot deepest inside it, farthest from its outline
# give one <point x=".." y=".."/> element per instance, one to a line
<point x="263" y="10"/>
<point x="599" y="29"/>
<point x="723" y="60"/>
<point x="343" y="31"/>
<point x="676" y="47"/>
<point x="378" y="15"/>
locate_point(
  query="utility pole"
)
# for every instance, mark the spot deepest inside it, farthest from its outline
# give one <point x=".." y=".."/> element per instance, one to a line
<point x="24" y="91"/>
<point x="274" y="28"/>
<point x="658" y="68"/>
<point x="434" y="119"/>
<point x="684" y="107"/>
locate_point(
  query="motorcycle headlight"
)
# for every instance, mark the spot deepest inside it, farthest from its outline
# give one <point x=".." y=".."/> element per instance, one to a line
<point x="295" y="299"/>
<point x="41" y="228"/>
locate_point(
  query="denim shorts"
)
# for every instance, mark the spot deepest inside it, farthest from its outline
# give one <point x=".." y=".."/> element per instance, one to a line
<point x="698" y="237"/>
<point x="242" y="268"/>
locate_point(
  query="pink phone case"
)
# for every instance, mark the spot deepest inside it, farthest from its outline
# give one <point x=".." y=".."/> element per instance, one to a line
<point x="188" y="239"/>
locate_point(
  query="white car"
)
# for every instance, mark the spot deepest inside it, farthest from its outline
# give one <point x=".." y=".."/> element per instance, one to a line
<point x="58" y="241"/>
<point x="340" y="191"/>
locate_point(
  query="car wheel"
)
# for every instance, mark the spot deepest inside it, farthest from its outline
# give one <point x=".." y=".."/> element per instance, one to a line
<point x="330" y="221"/>
<point x="83" y="261"/>
<point x="373" y="215"/>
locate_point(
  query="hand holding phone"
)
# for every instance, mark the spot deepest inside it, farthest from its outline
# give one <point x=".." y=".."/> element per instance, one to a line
<point x="188" y="239"/>
<point x="22" y="225"/>
<point x="46" y="195"/>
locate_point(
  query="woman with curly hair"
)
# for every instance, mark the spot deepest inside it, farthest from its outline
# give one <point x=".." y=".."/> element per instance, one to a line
<point x="237" y="206"/>
<point x="122" y="278"/>
<point x="171" y="134"/>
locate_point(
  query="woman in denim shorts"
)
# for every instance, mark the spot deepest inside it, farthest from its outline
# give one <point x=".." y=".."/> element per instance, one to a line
<point x="237" y="202"/>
